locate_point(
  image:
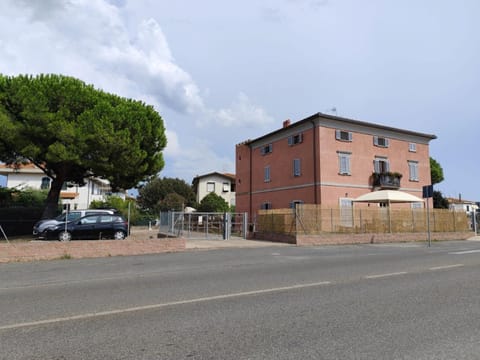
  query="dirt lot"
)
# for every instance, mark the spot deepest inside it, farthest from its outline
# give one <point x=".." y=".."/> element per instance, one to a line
<point x="136" y="233"/>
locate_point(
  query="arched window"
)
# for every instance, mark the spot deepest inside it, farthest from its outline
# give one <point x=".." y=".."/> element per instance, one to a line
<point x="45" y="183"/>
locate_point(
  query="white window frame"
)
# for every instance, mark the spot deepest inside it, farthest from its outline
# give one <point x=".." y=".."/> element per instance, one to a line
<point x="413" y="170"/>
<point x="412" y="147"/>
<point x="266" y="174"/>
<point x="297" y="167"/>
<point x="210" y="186"/>
<point x="344" y="162"/>
<point x="225" y="187"/>
<point x="343" y="135"/>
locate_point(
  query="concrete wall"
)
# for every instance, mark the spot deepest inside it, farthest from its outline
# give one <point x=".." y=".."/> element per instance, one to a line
<point x="344" y="239"/>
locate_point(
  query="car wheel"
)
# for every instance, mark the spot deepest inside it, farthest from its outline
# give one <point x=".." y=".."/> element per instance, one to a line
<point x="119" y="235"/>
<point x="64" y="236"/>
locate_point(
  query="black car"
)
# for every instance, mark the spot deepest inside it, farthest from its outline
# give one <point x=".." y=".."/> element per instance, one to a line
<point x="100" y="226"/>
<point x="41" y="227"/>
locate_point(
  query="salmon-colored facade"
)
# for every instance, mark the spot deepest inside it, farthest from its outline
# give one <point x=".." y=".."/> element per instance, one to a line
<point x="328" y="160"/>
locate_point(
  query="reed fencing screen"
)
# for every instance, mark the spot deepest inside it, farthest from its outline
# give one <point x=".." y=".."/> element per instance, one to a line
<point x="315" y="219"/>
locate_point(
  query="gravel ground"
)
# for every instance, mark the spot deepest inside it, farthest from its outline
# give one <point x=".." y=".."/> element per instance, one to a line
<point x="136" y="233"/>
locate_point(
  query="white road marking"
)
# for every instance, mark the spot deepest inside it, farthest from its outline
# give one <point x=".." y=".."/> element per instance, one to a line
<point x="160" y="305"/>
<point x="465" y="252"/>
<point x="445" y="267"/>
<point x="385" y="275"/>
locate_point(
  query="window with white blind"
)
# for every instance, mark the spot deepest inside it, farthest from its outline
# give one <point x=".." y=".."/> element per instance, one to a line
<point x="297" y="171"/>
<point x="344" y="163"/>
<point x="413" y="170"/>
<point x="266" y="173"/>
<point x="225" y="187"/>
<point x="210" y="186"/>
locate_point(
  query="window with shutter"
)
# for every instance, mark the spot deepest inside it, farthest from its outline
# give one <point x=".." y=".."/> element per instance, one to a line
<point x="381" y="141"/>
<point x="295" y="139"/>
<point x="266" y="174"/>
<point x="343" y="135"/>
<point x="413" y="170"/>
<point x="381" y="165"/>
<point x="344" y="163"/>
<point x="296" y="167"/>
<point x="267" y="149"/>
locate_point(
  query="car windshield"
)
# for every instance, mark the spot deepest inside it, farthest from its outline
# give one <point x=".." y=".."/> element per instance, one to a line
<point x="71" y="216"/>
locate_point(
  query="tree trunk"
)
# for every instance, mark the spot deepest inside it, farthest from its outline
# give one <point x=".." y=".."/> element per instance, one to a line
<point x="51" y="207"/>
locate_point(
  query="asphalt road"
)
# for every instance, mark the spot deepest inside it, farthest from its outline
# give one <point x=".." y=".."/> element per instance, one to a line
<point x="399" y="301"/>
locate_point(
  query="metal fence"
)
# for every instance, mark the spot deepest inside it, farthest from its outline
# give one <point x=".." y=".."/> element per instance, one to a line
<point x="315" y="219"/>
<point x="199" y="225"/>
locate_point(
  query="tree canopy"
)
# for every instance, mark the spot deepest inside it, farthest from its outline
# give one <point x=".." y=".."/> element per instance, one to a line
<point x="157" y="194"/>
<point x="213" y="203"/>
<point x="72" y="131"/>
<point x="436" y="171"/>
<point x="439" y="202"/>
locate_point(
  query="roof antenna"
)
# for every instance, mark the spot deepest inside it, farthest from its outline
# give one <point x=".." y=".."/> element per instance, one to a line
<point x="332" y="110"/>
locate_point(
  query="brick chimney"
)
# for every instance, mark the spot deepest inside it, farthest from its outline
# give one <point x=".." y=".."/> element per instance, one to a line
<point x="286" y="123"/>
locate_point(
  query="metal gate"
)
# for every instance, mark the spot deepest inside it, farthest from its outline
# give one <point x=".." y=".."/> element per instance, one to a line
<point x="202" y="225"/>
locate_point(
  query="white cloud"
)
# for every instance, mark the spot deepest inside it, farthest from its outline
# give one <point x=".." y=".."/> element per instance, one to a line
<point x="173" y="145"/>
<point x="241" y="113"/>
<point x="100" y="42"/>
<point x="200" y="158"/>
<point x="91" y="40"/>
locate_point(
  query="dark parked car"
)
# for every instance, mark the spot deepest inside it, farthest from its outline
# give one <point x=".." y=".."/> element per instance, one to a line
<point x="41" y="226"/>
<point x="101" y="226"/>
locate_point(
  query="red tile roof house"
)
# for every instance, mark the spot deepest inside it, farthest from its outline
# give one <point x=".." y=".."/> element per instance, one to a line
<point x="328" y="160"/>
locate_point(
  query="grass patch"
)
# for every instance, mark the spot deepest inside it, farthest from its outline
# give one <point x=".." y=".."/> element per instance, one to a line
<point x="65" y="257"/>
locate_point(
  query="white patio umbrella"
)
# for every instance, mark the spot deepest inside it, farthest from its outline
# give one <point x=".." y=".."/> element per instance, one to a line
<point x="389" y="197"/>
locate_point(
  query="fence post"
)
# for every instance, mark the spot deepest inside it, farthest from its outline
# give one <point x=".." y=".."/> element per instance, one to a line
<point x="361" y="222"/>
<point x="331" y="220"/>
<point x="245" y="225"/>
<point x="4" y="235"/>
<point x="226" y="225"/>
<point x="454" y="221"/>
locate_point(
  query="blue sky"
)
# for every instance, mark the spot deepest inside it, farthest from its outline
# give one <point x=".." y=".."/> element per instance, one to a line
<point x="220" y="72"/>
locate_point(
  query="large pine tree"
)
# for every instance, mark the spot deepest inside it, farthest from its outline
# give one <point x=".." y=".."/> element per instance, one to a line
<point x="73" y="131"/>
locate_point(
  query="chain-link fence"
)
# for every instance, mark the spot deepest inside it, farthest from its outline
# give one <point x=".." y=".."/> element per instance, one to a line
<point x="199" y="225"/>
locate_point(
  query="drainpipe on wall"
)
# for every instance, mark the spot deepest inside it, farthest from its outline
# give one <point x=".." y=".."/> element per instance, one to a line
<point x="315" y="178"/>
<point x="250" y="184"/>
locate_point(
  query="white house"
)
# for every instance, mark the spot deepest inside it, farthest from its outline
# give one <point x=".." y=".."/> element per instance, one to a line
<point x="459" y="204"/>
<point x="221" y="184"/>
<point x="77" y="197"/>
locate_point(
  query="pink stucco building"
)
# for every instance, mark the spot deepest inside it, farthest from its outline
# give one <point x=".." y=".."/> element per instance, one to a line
<point x="329" y="160"/>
